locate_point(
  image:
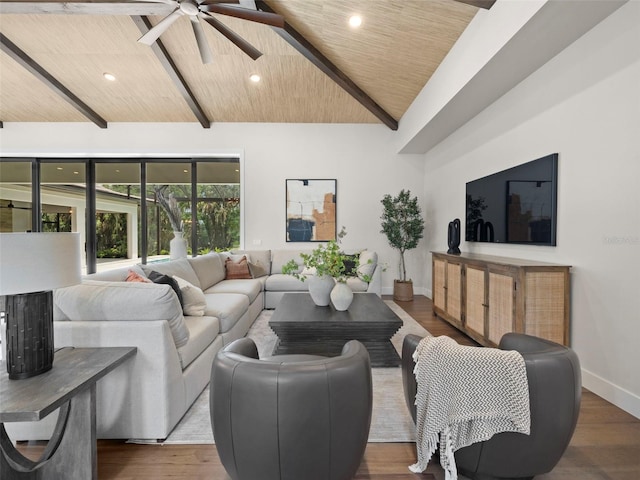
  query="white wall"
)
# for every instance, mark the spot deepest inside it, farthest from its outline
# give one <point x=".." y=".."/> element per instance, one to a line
<point x="360" y="157"/>
<point x="585" y="105"/>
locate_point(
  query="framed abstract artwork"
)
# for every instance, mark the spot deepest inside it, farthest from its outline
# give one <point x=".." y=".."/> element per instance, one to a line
<point x="311" y="210"/>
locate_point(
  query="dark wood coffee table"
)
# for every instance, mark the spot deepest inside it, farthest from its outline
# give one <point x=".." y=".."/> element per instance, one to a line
<point x="303" y="327"/>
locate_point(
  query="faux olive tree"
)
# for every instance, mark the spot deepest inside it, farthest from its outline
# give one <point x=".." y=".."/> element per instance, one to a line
<point x="403" y="225"/>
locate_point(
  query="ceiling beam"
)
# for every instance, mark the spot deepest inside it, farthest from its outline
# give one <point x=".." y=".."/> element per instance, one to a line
<point x="486" y="4"/>
<point x="144" y="25"/>
<point x="11" y="49"/>
<point x="87" y="8"/>
<point x="311" y="53"/>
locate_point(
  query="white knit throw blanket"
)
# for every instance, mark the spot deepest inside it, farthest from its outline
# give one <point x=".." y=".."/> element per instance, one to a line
<point x="466" y="395"/>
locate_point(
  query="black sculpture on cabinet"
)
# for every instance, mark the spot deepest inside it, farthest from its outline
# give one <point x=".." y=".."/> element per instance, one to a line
<point x="453" y="237"/>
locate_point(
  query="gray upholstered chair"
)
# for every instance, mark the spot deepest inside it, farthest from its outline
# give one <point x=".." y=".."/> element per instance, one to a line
<point x="290" y="416"/>
<point x="555" y="388"/>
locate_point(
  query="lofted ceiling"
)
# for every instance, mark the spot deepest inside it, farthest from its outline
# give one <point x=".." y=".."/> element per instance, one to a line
<point x="380" y="67"/>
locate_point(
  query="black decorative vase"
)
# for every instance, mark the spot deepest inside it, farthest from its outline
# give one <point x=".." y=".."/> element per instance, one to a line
<point x="453" y="237"/>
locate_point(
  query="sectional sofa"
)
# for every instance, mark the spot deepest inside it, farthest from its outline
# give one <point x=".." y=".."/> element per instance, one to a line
<point x="178" y="323"/>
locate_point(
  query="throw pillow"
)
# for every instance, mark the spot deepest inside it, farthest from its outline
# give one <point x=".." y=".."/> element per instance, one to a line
<point x="134" y="277"/>
<point x="235" y="257"/>
<point x="351" y="263"/>
<point x="156" y="277"/>
<point x="195" y="303"/>
<point x="237" y="270"/>
<point x="367" y="264"/>
<point x="256" y="270"/>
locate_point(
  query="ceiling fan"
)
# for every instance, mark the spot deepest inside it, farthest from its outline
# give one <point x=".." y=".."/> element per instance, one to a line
<point x="197" y="10"/>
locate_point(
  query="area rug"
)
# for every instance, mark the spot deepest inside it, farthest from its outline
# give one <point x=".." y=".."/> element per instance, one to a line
<point x="390" y="420"/>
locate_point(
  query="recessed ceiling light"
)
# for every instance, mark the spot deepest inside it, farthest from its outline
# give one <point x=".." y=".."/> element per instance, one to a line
<point x="58" y="168"/>
<point x="355" y="21"/>
<point x="185" y="171"/>
<point x="255" y="78"/>
<point x="109" y="76"/>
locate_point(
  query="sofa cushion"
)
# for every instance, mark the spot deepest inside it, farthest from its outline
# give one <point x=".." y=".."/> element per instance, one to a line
<point x="249" y="287"/>
<point x="280" y="257"/>
<point x="237" y="269"/>
<point x="209" y="268"/>
<point x="202" y="331"/>
<point x="181" y="267"/>
<point x="95" y="300"/>
<point x="279" y="282"/>
<point x="257" y="258"/>
<point x="228" y="307"/>
<point x="116" y="274"/>
<point x="193" y="300"/>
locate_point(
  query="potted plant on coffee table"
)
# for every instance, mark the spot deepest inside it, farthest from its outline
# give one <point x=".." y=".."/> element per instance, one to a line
<point x="326" y="262"/>
<point x="403" y="225"/>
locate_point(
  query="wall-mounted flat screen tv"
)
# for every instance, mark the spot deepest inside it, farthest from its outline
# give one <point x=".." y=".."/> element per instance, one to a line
<point x="517" y="205"/>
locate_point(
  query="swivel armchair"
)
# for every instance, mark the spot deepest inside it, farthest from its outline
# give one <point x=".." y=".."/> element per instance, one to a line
<point x="290" y="417"/>
<point x="555" y="389"/>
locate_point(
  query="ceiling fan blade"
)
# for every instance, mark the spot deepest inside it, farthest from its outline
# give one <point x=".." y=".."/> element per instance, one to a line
<point x="247" y="4"/>
<point x="237" y="40"/>
<point x="201" y="39"/>
<point x="267" y="18"/>
<point x="162" y="26"/>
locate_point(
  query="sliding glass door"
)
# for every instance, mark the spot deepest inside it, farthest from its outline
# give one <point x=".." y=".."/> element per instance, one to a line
<point x="126" y="210"/>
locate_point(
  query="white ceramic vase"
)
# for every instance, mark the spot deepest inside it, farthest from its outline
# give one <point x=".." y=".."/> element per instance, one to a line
<point x="341" y="296"/>
<point x="320" y="289"/>
<point x="177" y="246"/>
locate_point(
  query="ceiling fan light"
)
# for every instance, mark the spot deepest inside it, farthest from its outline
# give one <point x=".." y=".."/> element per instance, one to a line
<point x="109" y="76"/>
<point x="355" y="21"/>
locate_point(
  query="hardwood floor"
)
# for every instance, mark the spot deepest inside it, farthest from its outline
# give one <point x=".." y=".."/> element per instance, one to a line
<point x="605" y="446"/>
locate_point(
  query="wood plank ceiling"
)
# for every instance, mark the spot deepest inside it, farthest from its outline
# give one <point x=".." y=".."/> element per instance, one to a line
<point x="390" y="57"/>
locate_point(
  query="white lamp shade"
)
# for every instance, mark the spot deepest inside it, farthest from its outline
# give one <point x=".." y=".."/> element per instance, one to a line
<point x="35" y="262"/>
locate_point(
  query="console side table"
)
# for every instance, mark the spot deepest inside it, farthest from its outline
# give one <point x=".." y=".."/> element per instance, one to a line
<point x="71" y="386"/>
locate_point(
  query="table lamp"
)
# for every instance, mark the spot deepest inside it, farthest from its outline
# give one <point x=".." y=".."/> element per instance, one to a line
<point x="31" y="265"/>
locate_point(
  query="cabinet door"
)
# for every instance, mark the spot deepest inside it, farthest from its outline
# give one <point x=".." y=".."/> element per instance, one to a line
<point x="439" y="284"/>
<point x="501" y="305"/>
<point x="454" y="290"/>
<point x="475" y="304"/>
<point x="546" y="305"/>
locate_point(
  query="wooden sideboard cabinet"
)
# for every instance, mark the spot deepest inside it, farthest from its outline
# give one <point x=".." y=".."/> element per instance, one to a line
<point x="487" y="296"/>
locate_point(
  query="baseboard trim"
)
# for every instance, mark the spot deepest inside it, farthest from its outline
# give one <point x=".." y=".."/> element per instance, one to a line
<point x="621" y="398"/>
<point x="416" y="291"/>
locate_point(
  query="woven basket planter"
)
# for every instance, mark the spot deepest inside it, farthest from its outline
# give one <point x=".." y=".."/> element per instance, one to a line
<point x="403" y="291"/>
